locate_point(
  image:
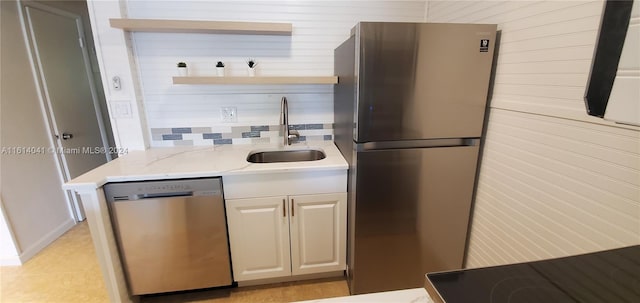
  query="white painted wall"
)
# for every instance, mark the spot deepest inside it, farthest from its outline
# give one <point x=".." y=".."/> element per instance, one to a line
<point x="318" y="27"/>
<point x="116" y="60"/>
<point x="553" y="180"/>
<point x="31" y="186"/>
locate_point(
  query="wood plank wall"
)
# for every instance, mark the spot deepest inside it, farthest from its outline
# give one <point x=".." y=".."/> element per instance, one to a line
<point x="553" y="181"/>
<point x="318" y="28"/>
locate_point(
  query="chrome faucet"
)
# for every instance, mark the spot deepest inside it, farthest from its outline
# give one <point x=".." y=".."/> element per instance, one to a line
<point x="288" y="135"/>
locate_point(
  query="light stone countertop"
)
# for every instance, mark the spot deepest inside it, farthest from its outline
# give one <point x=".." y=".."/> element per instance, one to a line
<point x="413" y="295"/>
<point x="202" y="161"/>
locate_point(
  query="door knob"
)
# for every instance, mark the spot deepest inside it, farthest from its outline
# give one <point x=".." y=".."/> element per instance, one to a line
<point x="67" y="136"/>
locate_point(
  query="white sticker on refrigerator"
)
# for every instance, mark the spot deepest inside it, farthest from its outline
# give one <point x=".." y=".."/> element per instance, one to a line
<point x="484" y="45"/>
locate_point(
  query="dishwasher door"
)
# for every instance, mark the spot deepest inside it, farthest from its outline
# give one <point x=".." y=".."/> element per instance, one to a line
<point x="172" y="235"/>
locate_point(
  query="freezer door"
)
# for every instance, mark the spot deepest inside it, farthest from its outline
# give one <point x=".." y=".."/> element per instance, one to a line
<point x="422" y="80"/>
<point x="411" y="215"/>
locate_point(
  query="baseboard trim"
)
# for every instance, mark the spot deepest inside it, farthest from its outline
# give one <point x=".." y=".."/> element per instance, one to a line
<point x="46" y="240"/>
<point x="332" y="274"/>
<point x="10" y="261"/>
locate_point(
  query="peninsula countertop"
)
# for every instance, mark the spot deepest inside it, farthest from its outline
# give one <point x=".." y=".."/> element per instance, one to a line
<point x="202" y="161"/>
<point x="413" y="295"/>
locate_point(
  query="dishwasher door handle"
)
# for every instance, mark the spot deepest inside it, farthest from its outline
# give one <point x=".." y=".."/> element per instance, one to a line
<point x="164" y="195"/>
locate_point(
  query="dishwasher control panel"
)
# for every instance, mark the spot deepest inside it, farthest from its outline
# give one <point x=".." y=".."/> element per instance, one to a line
<point x="172" y="188"/>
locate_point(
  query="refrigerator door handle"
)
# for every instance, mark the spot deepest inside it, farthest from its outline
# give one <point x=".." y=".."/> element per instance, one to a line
<point x="427" y="143"/>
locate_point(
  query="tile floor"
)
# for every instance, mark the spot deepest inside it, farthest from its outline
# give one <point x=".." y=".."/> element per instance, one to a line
<point x="67" y="271"/>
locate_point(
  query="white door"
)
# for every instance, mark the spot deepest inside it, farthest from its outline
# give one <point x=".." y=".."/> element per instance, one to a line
<point x="318" y="233"/>
<point x="259" y="238"/>
<point x="62" y="63"/>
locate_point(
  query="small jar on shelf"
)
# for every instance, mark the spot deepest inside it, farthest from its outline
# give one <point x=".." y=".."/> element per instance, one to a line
<point x="183" y="71"/>
<point x="220" y="69"/>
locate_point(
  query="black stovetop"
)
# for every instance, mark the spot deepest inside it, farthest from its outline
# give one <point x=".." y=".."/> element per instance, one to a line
<point x="603" y="277"/>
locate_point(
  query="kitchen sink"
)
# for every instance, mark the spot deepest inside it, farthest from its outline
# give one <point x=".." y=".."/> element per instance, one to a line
<point x="286" y="156"/>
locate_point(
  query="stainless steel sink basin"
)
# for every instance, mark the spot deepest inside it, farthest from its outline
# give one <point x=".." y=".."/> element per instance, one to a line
<point x="286" y="156"/>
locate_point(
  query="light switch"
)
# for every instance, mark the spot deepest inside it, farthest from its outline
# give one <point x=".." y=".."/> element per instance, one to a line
<point x="121" y="109"/>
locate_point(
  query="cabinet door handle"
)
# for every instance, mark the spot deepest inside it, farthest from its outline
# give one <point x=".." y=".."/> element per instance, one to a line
<point x="284" y="208"/>
<point x="292" y="209"/>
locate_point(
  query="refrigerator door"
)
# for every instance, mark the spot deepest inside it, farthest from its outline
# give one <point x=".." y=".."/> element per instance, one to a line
<point x="422" y="80"/>
<point x="412" y="211"/>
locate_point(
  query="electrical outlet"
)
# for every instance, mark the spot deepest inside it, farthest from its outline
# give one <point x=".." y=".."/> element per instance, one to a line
<point x="229" y="114"/>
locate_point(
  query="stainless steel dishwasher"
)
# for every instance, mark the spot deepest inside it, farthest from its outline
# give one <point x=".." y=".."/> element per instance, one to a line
<point x="172" y="235"/>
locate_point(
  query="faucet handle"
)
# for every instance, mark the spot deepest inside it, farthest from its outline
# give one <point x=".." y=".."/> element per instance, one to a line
<point x="293" y="135"/>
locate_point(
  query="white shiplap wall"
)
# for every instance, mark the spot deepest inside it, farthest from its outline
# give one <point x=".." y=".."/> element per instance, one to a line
<point x="318" y="28"/>
<point x="553" y="181"/>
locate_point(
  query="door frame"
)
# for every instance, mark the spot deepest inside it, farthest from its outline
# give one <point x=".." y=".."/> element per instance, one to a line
<point x="73" y="200"/>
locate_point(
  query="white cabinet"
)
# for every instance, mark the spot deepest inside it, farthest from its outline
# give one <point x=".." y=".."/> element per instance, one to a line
<point x="287" y="235"/>
<point x="318" y="233"/>
<point x="259" y="237"/>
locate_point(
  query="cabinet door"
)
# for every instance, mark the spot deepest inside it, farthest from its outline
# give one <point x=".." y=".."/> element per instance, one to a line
<point x="259" y="238"/>
<point x="318" y="233"/>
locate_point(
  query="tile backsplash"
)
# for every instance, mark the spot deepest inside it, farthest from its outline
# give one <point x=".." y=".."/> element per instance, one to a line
<point x="237" y="134"/>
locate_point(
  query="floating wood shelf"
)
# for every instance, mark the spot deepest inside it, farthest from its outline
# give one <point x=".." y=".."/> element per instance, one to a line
<point x="195" y="26"/>
<point x="255" y="80"/>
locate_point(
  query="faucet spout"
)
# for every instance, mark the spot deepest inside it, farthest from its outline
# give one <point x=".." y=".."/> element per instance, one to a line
<point x="284" y="123"/>
<point x="284" y="119"/>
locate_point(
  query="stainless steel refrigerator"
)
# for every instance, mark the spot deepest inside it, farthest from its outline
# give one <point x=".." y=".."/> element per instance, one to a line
<point x="409" y="116"/>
